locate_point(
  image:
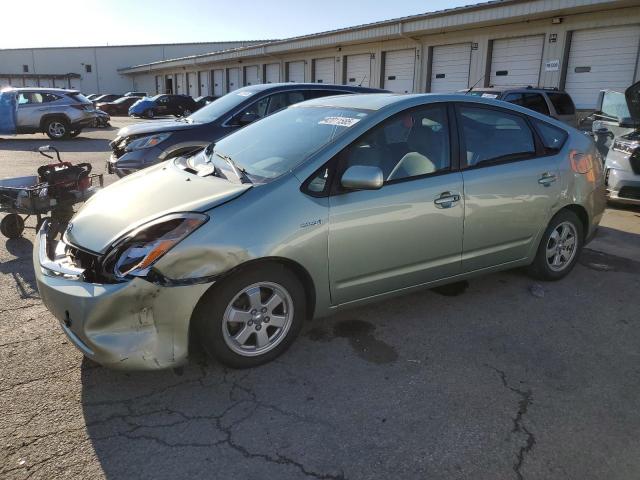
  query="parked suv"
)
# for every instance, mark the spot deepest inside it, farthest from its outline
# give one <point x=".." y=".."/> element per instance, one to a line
<point x="57" y="112"/>
<point x="149" y="107"/>
<point x="616" y="129"/>
<point x="548" y="101"/>
<point x="138" y="146"/>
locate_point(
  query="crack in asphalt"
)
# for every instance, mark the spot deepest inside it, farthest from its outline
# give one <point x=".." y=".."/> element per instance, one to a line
<point x="526" y="400"/>
<point x="250" y="400"/>
<point x="22" y="307"/>
<point x="48" y="376"/>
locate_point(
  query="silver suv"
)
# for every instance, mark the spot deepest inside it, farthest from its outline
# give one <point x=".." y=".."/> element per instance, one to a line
<point x="57" y="112"/>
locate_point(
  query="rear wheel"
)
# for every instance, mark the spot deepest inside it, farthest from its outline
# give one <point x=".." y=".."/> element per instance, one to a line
<point x="12" y="225"/>
<point x="56" y="128"/>
<point x="559" y="248"/>
<point x="252" y="317"/>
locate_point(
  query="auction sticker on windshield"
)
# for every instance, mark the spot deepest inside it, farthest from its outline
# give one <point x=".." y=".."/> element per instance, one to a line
<point x="339" y="121"/>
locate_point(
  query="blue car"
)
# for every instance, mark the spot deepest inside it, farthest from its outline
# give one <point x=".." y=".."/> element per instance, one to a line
<point x="177" y="105"/>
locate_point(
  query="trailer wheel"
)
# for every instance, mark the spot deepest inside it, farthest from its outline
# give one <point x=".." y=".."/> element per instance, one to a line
<point x="12" y="225"/>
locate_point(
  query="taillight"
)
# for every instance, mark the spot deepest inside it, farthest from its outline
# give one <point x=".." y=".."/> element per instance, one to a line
<point x="580" y="162"/>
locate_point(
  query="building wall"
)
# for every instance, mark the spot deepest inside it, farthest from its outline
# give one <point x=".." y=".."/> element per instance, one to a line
<point x="104" y="61"/>
<point x="555" y="38"/>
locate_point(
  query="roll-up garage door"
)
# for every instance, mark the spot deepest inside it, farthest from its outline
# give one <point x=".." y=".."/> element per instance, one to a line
<point x="218" y="83"/>
<point x="192" y="84"/>
<point x="233" y="79"/>
<point x="599" y="59"/>
<point x="324" y="70"/>
<point x="204" y="83"/>
<point x="358" y="70"/>
<point x="251" y="76"/>
<point x="516" y="61"/>
<point x="399" y="68"/>
<point x="295" y="71"/>
<point x="450" y="67"/>
<point x="272" y="73"/>
<point x="179" y="83"/>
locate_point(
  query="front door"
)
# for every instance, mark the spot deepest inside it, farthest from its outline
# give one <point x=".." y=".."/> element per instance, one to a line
<point x="30" y="110"/>
<point x="403" y="234"/>
<point x="510" y="186"/>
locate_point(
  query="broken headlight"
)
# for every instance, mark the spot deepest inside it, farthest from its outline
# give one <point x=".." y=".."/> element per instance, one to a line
<point x="136" y="252"/>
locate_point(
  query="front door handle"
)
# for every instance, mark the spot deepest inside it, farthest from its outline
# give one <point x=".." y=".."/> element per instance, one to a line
<point x="447" y="200"/>
<point x="547" y="179"/>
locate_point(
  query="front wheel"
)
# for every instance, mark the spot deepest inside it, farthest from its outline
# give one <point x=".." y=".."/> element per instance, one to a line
<point x="252" y="317"/>
<point x="559" y="248"/>
<point x="149" y="113"/>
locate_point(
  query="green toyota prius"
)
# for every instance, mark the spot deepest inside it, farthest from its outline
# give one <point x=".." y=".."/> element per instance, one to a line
<point x="328" y="204"/>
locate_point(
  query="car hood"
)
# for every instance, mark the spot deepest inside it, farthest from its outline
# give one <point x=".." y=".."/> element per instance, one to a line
<point x="632" y="95"/>
<point x="156" y="126"/>
<point x="142" y="197"/>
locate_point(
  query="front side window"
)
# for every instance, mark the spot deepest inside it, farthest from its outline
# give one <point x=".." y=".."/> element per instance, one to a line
<point x="492" y="135"/>
<point x="411" y="144"/>
<point x="28" y="98"/>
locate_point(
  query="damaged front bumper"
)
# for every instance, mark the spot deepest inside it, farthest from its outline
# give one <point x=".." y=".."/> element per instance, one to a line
<point x="134" y="325"/>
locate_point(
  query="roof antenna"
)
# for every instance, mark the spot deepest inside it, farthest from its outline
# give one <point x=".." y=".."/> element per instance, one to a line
<point x="474" y="85"/>
<point x="363" y="78"/>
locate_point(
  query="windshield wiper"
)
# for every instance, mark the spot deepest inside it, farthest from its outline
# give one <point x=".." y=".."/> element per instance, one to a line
<point x="239" y="171"/>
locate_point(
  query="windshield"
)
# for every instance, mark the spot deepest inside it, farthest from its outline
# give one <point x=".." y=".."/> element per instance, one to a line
<point x="280" y="142"/>
<point x="221" y="106"/>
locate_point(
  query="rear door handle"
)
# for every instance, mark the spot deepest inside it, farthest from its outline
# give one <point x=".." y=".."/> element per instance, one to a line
<point x="447" y="200"/>
<point x="547" y="179"/>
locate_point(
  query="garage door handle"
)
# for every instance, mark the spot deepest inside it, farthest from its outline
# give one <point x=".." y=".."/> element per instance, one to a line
<point x="447" y="200"/>
<point x="547" y="179"/>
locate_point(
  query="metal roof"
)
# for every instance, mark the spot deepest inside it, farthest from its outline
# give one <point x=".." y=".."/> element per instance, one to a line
<point x="479" y="14"/>
<point x="176" y="44"/>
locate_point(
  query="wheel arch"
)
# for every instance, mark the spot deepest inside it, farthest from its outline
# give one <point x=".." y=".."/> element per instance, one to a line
<point x="51" y="116"/>
<point x="582" y="215"/>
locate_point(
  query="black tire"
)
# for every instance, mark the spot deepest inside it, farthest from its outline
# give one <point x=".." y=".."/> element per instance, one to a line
<point x="58" y="125"/>
<point x="208" y="317"/>
<point x="12" y="225"/>
<point x="541" y="267"/>
<point x="75" y="133"/>
<point x="149" y="113"/>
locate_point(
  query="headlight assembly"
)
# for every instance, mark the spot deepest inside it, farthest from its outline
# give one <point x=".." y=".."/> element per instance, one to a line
<point x="148" y="142"/>
<point x="136" y="252"/>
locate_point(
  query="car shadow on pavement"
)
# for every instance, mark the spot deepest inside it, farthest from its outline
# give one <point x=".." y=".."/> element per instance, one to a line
<point x="21" y="268"/>
<point x="78" y="144"/>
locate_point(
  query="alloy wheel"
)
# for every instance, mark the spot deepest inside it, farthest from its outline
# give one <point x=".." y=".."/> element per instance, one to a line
<point x="561" y="246"/>
<point x="57" y="129"/>
<point x="257" y="319"/>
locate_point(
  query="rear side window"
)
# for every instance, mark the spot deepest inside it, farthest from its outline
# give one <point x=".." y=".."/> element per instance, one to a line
<point x="553" y="138"/>
<point x="532" y="101"/>
<point x="49" y="97"/>
<point x="492" y="136"/>
<point x="562" y="103"/>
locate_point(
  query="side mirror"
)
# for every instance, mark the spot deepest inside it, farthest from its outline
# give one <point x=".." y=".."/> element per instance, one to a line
<point x="628" y="122"/>
<point x="362" y="177"/>
<point x="246" y="118"/>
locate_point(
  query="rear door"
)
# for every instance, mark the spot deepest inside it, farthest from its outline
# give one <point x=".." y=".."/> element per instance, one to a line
<point x="406" y="233"/>
<point x="510" y="185"/>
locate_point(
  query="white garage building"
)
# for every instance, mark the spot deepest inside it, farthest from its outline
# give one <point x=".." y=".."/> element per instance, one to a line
<point x="582" y="46"/>
<point x="93" y="69"/>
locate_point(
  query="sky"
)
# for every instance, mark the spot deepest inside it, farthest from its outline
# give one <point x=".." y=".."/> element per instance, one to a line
<point x="123" y="22"/>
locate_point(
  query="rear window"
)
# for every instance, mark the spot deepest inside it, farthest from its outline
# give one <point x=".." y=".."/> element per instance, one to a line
<point x="562" y="103"/>
<point x="553" y="138"/>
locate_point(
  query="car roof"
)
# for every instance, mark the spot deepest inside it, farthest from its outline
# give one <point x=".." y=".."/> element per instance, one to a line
<point x="514" y="89"/>
<point x="41" y="89"/>
<point x="308" y="86"/>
